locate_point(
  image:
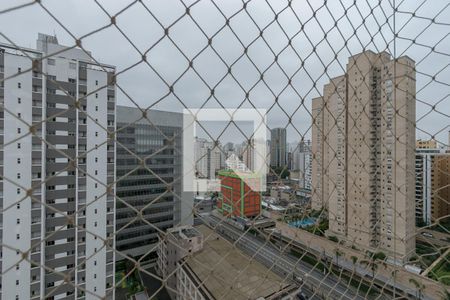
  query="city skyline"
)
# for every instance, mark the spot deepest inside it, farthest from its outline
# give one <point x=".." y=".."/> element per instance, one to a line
<point x="145" y="88"/>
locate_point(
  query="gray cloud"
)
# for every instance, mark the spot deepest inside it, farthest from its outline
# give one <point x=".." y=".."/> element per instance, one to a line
<point x="367" y="25"/>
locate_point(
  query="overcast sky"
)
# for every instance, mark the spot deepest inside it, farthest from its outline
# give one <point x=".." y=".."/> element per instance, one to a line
<point x="309" y="52"/>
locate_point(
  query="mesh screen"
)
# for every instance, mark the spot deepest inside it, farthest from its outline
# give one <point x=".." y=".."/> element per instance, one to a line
<point x="351" y="195"/>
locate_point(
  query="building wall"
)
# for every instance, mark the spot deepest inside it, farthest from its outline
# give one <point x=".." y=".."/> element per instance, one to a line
<point x="186" y="288"/>
<point x="317" y="202"/>
<point x="440" y="194"/>
<point x="96" y="196"/>
<point x="55" y="243"/>
<point x="172" y="248"/>
<point x="17" y="161"/>
<point x="334" y="151"/>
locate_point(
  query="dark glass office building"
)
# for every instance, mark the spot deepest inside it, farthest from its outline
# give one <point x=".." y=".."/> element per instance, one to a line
<point x="149" y="158"/>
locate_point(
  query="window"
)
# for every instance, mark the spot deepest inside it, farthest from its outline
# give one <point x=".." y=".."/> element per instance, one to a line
<point x="19" y="100"/>
<point x="18" y="192"/>
<point x="19" y="85"/>
<point x="96" y="108"/>
<point x="96" y="82"/>
<point x="19" y="70"/>
<point x="19" y="115"/>
<point x="18" y="145"/>
<point x="17" y="267"/>
<point x="17" y="236"/>
<point x="18" y="221"/>
<point x="18" y="175"/>
<point x="51" y="61"/>
<point x="18" y="130"/>
<point x="72" y="65"/>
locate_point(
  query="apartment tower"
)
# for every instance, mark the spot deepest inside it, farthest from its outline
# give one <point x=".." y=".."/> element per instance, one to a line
<point x="363" y="154"/>
<point x="57" y="167"/>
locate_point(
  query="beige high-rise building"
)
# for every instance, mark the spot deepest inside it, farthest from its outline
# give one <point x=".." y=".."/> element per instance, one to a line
<point x="426" y="144"/>
<point x="364" y="154"/>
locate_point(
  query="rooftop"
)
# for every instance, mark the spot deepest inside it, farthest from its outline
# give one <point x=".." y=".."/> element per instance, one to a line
<point x="228" y="273"/>
<point x="184" y="232"/>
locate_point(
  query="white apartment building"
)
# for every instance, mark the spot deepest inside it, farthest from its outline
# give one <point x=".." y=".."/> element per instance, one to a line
<point x="57" y="187"/>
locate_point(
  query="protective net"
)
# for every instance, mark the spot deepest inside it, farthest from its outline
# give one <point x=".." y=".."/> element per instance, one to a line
<point x="225" y="149"/>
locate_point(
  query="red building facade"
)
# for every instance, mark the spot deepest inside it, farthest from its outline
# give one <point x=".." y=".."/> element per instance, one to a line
<point x="236" y="197"/>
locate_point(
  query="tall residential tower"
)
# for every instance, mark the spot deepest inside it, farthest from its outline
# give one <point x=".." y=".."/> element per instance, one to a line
<point x="278" y="147"/>
<point x="363" y="153"/>
<point x="57" y="167"/>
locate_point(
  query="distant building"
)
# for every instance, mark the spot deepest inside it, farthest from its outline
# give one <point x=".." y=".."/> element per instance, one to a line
<point x="432" y="184"/>
<point x="208" y="158"/>
<point x="192" y="261"/>
<point x="289" y="160"/>
<point x="278" y="147"/>
<point x="236" y="197"/>
<point x="202" y="204"/>
<point x="426" y="144"/>
<point x="234" y="163"/>
<point x="282" y="193"/>
<point x="302" y="162"/>
<point x="248" y="154"/>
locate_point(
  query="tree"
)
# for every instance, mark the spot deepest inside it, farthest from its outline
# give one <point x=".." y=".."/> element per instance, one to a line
<point x="338" y="253"/>
<point x="394" y="276"/>
<point x="374" y="260"/>
<point x="354" y="261"/>
<point x="380" y="255"/>
<point x="419" y="287"/>
<point x="281" y="172"/>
